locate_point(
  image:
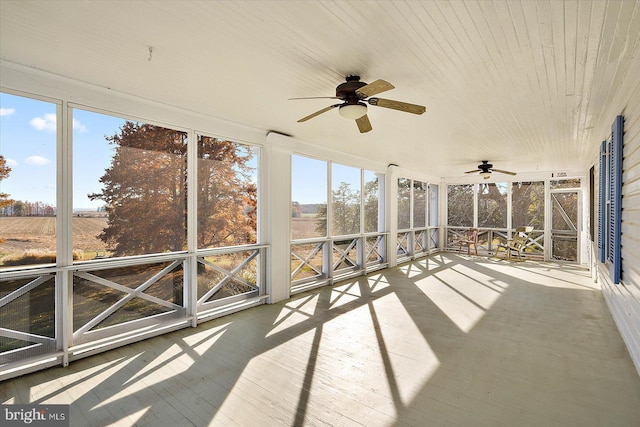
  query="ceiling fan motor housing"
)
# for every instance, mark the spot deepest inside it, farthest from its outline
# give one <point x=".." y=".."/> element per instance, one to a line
<point x="485" y="166"/>
<point x="347" y="90"/>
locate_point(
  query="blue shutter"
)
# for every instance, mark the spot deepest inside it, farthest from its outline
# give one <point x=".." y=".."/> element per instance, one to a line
<point x="602" y="203"/>
<point x="615" y="199"/>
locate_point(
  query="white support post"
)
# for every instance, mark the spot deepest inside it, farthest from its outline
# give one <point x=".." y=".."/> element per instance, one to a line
<point x="509" y="205"/>
<point x="191" y="264"/>
<point x="327" y="257"/>
<point x="64" y="245"/>
<point x="276" y="197"/>
<point x="442" y="214"/>
<point x="391" y="209"/>
<point x="361" y="247"/>
<point x="547" y="220"/>
<point x="476" y="190"/>
<point x="382" y="213"/>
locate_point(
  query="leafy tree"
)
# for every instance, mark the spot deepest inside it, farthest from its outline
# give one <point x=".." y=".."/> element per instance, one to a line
<point x="419" y="204"/>
<point x="295" y="209"/>
<point x="20" y="208"/>
<point x="345" y="203"/>
<point x="145" y="192"/>
<point x="4" y="197"/>
<point x="227" y="196"/>
<point x="346" y="210"/>
<point x="4" y="173"/>
<point x="321" y="225"/>
<point x="371" y="200"/>
<point x="460" y="205"/>
<point x="528" y="204"/>
<point x="404" y="203"/>
<point x="492" y="205"/>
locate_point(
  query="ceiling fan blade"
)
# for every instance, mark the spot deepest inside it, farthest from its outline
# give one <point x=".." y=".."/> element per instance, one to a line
<point x="475" y="170"/>
<point x="317" y="113"/>
<point x="315" y="97"/>
<point x="364" y="124"/>
<point x="501" y="171"/>
<point x="374" y="88"/>
<point x="397" y="105"/>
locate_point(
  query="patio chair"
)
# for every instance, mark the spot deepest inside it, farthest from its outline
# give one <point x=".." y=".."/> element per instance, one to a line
<point x="517" y="243"/>
<point x="470" y="240"/>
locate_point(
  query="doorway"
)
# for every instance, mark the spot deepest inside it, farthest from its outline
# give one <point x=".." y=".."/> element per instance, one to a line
<point x="565" y="225"/>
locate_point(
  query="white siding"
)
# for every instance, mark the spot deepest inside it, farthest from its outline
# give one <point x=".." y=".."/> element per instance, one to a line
<point x="624" y="299"/>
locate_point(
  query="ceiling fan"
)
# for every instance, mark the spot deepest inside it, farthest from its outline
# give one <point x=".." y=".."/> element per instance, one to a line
<point x="485" y="169"/>
<point x="354" y="94"/>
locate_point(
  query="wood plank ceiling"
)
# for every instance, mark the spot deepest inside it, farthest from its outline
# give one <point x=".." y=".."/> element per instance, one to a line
<point x="521" y="83"/>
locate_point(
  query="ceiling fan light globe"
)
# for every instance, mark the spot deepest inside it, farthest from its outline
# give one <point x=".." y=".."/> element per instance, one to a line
<point x="353" y="111"/>
<point x="485" y="175"/>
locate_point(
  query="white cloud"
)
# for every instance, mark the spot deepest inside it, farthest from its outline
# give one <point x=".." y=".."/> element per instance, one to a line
<point x="11" y="162"/>
<point x="7" y="111"/>
<point x="79" y="126"/>
<point x="48" y="122"/>
<point x="37" y="160"/>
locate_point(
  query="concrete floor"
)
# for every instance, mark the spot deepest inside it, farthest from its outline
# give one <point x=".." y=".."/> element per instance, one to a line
<point x="444" y="341"/>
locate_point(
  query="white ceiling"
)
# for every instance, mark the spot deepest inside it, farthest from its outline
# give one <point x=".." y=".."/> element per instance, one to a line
<point x="521" y="84"/>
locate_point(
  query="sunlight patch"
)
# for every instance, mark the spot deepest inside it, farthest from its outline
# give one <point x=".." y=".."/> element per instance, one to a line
<point x="377" y="282"/>
<point x="54" y="386"/>
<point x="462" y="310"/>
<point x="477" y="286"/>
<point x="344" y="294"/>
<point x="132" y="419"/>
<point x="408" y="359"/>
<point x="549" y="274"/>
<point x="293" y="313"/>
<point x="202" y="342"/>
<point x="412" y="270"/>
<point x="436" y="261"/>
<point x="153" y="372"/>
<point x="106" y="375"/>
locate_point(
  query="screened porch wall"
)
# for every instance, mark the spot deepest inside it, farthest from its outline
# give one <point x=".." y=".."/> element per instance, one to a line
<point x="337" y="221"/>
<point x="56" y="311"/>
<point x="318" y="258"/>
<point x="465" y="208"/>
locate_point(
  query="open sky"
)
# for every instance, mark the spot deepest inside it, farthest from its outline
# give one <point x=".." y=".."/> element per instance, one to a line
<point x="309" y="178"/>
<point x="28" y="143"/>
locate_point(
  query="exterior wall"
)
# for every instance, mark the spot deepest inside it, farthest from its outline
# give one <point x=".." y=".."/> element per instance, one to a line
<point x="624" y="299"/>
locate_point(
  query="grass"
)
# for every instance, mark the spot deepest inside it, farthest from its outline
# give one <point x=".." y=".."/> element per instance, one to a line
<point x="35" y="256"/>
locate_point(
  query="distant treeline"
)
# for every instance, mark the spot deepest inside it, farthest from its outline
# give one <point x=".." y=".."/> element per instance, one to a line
<point x="297" y="209"/>
<point x="25" y="208"/>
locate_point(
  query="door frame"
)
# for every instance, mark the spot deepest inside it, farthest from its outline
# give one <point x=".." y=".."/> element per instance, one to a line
<point x="549" y="223"/>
